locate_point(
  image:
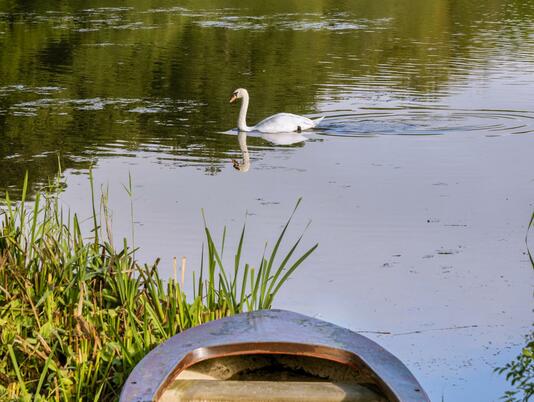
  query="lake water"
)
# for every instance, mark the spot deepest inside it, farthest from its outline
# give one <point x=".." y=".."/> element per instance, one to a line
<point x="419" y="182"/>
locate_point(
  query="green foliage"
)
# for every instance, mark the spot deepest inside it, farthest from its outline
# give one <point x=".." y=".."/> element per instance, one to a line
<point x="77" y="314"/>
<point x="520" y="371"/>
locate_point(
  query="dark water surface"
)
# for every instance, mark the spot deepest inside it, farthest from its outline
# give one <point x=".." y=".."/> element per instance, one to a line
<point x="93" y="81"/>
<point x="420" y="180"/>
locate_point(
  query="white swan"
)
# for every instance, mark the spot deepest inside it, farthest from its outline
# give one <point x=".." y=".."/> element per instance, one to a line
<point x="278" y="123"/>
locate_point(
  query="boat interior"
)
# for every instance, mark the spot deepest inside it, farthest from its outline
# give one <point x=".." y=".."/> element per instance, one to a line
<point x="273" y="377"/>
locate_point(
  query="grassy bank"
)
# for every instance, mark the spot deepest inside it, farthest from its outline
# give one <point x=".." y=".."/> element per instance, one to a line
<point x="77" y="313"/>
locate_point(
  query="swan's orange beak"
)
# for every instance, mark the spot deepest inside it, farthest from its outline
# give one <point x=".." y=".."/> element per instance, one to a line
<point x="233" y="99"/>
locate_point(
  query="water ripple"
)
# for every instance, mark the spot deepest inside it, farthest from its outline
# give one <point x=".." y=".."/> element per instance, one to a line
<point x="426" y="121"/>
<point x="132" y="105"/>
<point x="309" y="22"/>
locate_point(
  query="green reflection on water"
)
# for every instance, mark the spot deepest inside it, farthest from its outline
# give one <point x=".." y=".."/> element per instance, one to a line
<point x="86" y="80"/>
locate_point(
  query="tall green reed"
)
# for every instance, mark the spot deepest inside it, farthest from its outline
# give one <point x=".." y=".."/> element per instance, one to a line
<point x="77" y="313"/>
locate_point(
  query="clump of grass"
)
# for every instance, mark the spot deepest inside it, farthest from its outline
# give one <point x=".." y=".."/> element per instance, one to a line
<point x="520" y="371"/>
<point x="77" y="314"/>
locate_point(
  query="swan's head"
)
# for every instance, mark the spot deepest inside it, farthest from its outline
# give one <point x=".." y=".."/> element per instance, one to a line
<point x="238" y="94"/>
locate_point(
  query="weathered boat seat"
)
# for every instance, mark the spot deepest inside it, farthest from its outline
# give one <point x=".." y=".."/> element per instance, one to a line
<point x="271" y="391"/>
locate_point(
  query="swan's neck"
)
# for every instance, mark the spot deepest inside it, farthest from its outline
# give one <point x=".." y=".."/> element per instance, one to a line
<point x="242" y="120"/>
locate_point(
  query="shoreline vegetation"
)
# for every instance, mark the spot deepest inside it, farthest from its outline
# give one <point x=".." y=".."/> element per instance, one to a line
<point x="520" y="371"/>
<point x="77" y="314"/>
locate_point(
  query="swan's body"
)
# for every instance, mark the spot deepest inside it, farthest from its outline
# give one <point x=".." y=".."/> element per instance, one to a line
<point x="278" y="123"/>
<point x="284" y="123"/>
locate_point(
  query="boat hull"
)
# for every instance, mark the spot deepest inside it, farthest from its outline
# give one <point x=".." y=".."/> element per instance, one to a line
<point x="269" y="332"/>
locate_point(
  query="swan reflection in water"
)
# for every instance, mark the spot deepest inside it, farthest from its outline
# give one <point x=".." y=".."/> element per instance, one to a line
<point x="276" y="139"/>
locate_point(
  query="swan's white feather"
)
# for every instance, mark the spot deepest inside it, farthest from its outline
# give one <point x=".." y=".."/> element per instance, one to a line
<point x="283" y="122"/>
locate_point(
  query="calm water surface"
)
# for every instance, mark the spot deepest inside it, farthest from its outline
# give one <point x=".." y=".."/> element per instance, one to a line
<point x="419" y="183"/>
